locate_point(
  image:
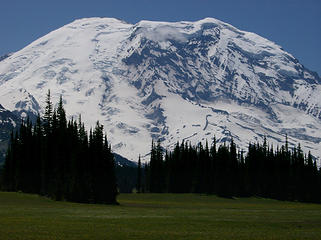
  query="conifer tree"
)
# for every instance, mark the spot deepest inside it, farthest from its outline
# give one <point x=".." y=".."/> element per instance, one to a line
<point x="55" y="158"/>
<point x="139" y="176"/>
<point x="48" y="114"/>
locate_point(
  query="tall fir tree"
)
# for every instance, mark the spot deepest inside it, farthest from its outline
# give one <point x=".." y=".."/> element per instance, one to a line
<point x="56" y="159"/>
<point x="139" y="176"/>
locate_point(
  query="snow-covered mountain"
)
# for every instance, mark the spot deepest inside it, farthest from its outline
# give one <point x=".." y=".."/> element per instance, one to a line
<point x="174" y="81"/>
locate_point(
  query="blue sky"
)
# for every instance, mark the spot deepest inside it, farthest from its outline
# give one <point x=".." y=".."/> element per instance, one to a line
<point x="293" y="24"/>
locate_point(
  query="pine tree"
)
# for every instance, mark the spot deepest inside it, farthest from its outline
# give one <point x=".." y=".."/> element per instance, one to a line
<point x="156" y="169"/>
<point x="38" y="155"/>
<point x="55" y="158"/>
<point x="48" y="114"/>
<point x="139" y="176"/>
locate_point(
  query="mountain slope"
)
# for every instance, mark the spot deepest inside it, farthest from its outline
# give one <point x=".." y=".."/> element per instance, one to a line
<point x="174" y="81"/>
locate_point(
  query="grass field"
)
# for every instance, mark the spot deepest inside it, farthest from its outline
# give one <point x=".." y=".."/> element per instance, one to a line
<point x="157" y="216"/>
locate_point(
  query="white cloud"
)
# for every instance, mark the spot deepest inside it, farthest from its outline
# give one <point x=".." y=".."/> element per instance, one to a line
<point x="162" y="34"/>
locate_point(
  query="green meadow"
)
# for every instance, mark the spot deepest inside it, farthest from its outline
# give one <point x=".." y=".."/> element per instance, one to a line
<point x="157" y="216"/>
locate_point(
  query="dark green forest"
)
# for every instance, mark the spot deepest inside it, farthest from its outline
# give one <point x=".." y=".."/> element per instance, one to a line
<point x="281" y="174"/>
<point x="59" y="159"/>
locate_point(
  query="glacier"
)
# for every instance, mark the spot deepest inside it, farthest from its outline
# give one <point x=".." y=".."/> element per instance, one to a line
<point x="169" y="81"/>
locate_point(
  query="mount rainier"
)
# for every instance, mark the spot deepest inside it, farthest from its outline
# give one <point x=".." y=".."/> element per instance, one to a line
<point x="173" y="81"/>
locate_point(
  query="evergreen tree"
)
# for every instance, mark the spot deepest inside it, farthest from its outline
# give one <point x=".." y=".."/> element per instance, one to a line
<point x="48" y="114"/>
<point x="282" y="174"/>
<point x="55" y="158"/>
<point x="139" y="176"/>
<point x="59" y="159"/>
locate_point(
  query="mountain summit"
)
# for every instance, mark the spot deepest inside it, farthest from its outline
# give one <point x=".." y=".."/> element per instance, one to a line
<point x="173" y="81"/>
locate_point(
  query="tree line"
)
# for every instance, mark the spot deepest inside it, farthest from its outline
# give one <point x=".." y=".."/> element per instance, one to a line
<point x="283" y="174"/>
<point x="59" y="159"/>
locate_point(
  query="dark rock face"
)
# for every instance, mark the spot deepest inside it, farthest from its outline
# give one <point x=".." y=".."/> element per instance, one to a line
<point x="3" y="57"/>
<point x="234" y="72"/>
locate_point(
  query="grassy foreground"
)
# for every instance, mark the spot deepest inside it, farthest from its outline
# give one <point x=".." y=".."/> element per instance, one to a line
<point x="157" y="216"/>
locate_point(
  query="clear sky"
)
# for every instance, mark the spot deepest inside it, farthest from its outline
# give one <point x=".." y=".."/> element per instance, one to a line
<point x="293" y="24"/>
